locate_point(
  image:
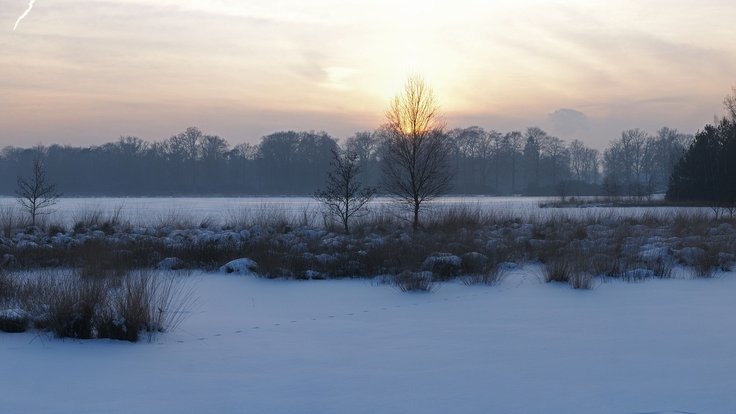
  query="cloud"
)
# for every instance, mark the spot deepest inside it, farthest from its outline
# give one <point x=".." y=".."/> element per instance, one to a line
<point x="569" y="123"/>
<point x="625" y="66"/>
<point x="337" y="77"/>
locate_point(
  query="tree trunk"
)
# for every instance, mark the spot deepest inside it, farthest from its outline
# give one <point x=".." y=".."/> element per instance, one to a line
<point x="416" y="216"/>
<point x="513" y="172"/>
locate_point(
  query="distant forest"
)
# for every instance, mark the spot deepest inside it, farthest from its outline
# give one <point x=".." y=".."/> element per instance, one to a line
<point x="531" y="162"/>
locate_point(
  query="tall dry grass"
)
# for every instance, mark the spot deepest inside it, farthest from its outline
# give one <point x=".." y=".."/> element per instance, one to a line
<point x="70" y="305"/>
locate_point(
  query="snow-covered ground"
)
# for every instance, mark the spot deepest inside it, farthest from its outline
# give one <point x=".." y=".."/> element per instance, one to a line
<point x="152" y="210"/>
<point x="353" y="346"/>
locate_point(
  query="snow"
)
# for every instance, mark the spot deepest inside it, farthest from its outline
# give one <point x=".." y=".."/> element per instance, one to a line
<point x="638" y="274"/>
<point x="148" y="211"/>
<point x="651" y="252"/>
<point x="242" y="266"/>
<point x="690" y="255"/>
<point x="443" y="263"/>
<point x="355" y="346"/>
<point x="13" y="314"/>
<point x="448" y="259"/>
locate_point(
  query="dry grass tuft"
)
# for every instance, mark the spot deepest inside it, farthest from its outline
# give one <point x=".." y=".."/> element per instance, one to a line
<point x="414" y="281"/>
<point x="70" y="305"/>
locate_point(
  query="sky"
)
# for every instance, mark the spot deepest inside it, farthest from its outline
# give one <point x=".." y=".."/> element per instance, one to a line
<point x="84" y="72"/>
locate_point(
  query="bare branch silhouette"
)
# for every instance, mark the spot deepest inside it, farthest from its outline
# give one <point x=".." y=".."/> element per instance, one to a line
<point x="416" y="164"/>
<point x="35" y="193"/>
<point x="345" y="196"/>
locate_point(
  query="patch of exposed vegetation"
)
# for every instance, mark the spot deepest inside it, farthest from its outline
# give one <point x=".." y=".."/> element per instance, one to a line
<point x="458" y="242"/>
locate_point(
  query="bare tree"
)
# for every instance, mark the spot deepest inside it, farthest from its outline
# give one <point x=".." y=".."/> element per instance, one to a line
<point x="669" y="145"/>
<point x="364" y="145"/>
<point x="558" y="157"/>
<point x="577" y="159"/>
<point x="729" y="103"/>
<point x="35" y="193"/>
<point x="533" y="148"/>
<point x="583" y="162"/>
<point x="513" y="144"/>
<point x="345" y="196"/>
<point x="416" y="164"/>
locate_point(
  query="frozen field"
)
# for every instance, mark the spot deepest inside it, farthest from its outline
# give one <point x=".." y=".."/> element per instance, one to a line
<point x="351" y="346"/>
<point x="153" y="210"/>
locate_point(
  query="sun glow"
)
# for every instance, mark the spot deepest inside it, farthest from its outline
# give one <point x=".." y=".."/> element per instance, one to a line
<point x="277" y="63"/>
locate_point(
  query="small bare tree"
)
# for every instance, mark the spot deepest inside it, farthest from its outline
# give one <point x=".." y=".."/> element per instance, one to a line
<point x="345" y="196"/>
<point x="729" y="103"/>
<point x="416" y="160"/>
<point x="35" y="193"/>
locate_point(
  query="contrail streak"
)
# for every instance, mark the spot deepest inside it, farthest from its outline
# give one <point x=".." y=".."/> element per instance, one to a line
<point x="25" y="13"/>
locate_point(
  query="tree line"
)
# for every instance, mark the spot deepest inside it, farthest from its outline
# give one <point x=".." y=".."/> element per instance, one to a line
<point x="529" y="162"/>
<point x="418" y="162"/>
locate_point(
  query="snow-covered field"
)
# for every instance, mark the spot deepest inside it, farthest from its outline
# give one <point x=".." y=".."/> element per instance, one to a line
<point x="354" y="346"/>
<point x="152" y="210"/>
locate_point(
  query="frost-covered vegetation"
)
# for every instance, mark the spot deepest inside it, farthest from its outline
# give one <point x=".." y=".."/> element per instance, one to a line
<point x="105" y="276"/>
<point x="459" y="242"/>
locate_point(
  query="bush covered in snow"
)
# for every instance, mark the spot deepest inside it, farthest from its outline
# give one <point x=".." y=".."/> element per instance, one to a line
<point x="443" y="265"/>
<point x="243" y="266"/>
<point x="14" y="320"/>
<point x="454" y="243"/>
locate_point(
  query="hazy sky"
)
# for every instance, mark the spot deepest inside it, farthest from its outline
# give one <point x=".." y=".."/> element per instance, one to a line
<point x="88" y="71"/>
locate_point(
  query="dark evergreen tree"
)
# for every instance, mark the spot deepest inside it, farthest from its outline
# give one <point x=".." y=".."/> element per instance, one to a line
<point x="707" y="171"/>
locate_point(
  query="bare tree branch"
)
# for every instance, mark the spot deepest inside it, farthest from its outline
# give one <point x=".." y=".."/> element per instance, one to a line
<point x="345" y="196"/>
<point x="35" y="193"/>
<point x="416" y="160"/>
<point x="729" y="103"/>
